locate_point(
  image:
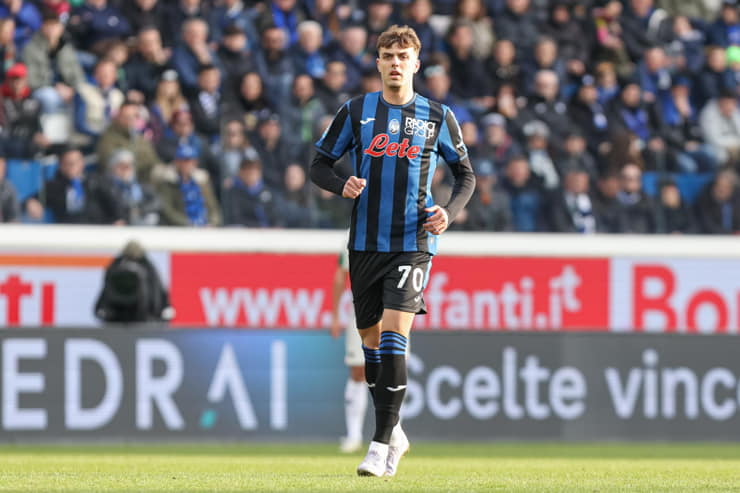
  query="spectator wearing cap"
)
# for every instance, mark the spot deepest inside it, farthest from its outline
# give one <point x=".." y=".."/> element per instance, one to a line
<point x="145" y="14"/>
<point x="683" y="133"/>
<point x="168" y="99"/>
<point x="94" y="23"/>
<point x="97" y="101"/>
<point x="26" y="17"/>
<point x="10" y="208"/>
<point x="541" y="163"/>
<point x="489" y="208"/>
<point x="517" y="24"/>
<point x="417" y="15"/>
<point x="331" y="88"/>
<point x="714" y="77"/>
<point x="630" y="113"/>
<point x="720" y="125"/>
<point x="725" y="31"/>
<point x="181" y="132"/>
<point x="236" y="59"/>
<point x="234" y="15"/>
<point x="276" y="150"/>
<point x="73" y="198"/>
<point x="544" y="104"/>
<point x="147" y="65"/>
<point x="53" y="69"/>
<point x="636" y="209"/>
<point x="186" y="192"/>
<point x="525" y="195"/>
<point x="672" y="214"/>
<point x="139" y="202"/>
<point x="193" y="52"/>
<point x="606" y="206"/>
<point x="467" y="73"/>
<point x="643" y="26"/>
<point x="718" y="205"/>
<point x="574" y="44"/>
<point x="302" y="111"/>
<point x="250" y="201"/>
<point x="588" y="114"/>
<point x="275" y="65"/>
<point x="570" y="208"/>
<point x="284" y="15"/>
<point x="307" y="54"/>
<point x="352" y="51"/>
<point x="123" y="134"/>
<point x="502" y="67"/>
<point x="205" y="103"/>
<point x="497" y="145"/>
<point x="575" y="155"/>
<point x="20" y="117"/>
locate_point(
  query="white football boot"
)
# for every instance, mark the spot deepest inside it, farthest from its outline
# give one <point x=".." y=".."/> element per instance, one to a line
<point x="397" y="448"/>
<point x="375" y="460"/>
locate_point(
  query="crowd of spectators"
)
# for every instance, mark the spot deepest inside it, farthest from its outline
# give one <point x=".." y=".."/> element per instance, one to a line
<point x="204" y="113"/>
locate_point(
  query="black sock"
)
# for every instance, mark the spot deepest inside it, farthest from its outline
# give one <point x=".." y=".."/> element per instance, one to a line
<point x="391" y="384"/>
<point x="372" y="367"/>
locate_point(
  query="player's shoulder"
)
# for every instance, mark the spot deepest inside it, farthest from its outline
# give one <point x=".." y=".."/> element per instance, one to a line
<point x="437" y="110"/>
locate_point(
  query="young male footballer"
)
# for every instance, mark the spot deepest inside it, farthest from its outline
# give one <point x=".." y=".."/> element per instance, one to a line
<point x="395" y="138"/>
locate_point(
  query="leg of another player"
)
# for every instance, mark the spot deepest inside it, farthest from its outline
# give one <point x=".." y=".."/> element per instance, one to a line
<point x="355" y="406"/>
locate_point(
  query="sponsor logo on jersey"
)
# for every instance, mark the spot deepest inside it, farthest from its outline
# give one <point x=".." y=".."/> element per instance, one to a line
<point x="418" y="127"/>
<point x="381" y="145"/>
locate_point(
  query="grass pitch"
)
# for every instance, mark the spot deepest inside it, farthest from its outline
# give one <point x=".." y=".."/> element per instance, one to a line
<point x="453" y="467"/>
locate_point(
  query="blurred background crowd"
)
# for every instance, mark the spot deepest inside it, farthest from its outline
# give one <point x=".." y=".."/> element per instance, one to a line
<point x="580" y="116"/>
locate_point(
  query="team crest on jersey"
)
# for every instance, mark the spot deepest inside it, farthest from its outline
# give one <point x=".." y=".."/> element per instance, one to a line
<point x="394" y="126"/>
<point x="418" y="127"/>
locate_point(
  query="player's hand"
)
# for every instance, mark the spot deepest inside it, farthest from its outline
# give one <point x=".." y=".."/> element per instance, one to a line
<point x="336" y="327"/>
<point x="353" y="187"/>
<point x="436" y="223"/>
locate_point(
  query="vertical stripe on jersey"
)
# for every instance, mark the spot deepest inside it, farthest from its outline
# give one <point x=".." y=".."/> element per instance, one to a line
<point x="337" y="137"/>
<point x="411" y="182"/>
<point x="388" y="186"/>
<point x="424" y="194"/>
<point x="355" y="114"/>
<point x="374" y="189"/>
<point x="369" y="106"/>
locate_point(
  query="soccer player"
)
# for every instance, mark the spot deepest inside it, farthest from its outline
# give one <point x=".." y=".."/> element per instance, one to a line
<point x="355" y="395"/>
<point x="395" y="138"/>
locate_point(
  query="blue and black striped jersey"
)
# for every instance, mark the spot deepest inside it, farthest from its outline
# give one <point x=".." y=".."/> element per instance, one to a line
<point x="396" y="149"/>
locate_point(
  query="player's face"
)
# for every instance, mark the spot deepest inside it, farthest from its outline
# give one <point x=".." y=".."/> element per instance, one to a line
<point x="397" y="66"/>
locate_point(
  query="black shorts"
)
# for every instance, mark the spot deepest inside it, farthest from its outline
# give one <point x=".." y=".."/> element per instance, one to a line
<point x="387" y="280"/>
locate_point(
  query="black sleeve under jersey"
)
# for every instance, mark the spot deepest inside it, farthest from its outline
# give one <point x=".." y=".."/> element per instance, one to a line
<point x="323" y="174"/>
<point x="453" y="150"/>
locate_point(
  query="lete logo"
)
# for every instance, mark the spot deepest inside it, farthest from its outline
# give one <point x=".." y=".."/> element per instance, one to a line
<point x="380" y="146"/>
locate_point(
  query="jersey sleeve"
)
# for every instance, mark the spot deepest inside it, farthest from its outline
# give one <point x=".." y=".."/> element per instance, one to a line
<point x="450" y="142"/>
<point x="337" y="138"/>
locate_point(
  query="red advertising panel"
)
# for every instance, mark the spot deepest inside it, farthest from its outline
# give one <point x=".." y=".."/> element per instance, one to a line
<point x="479" y="293"/>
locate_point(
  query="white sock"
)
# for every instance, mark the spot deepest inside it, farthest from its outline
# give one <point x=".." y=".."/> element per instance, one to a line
<point x="355" y="405"/>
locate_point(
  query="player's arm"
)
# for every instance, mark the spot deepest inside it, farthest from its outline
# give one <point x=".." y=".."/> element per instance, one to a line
<point x="455" y="153"/>
<point x="340" y="277"/>
<point x="336" y="140"/>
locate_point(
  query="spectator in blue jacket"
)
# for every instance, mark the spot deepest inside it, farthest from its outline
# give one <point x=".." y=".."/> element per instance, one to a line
<point x="192" y="53"/>
<point x="353" y="53"/>
<point x="526" y="197"/>
<point x="725" y="31"/>
<point x="27" y="19"/>
<point x="233" y="13"/>
<point x="96" y="22"/>
<point x="687" y="49"/>
<point x="714" y="78"/>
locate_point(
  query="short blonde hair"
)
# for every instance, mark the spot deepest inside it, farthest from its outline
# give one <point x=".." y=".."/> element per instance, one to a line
<point x="404" y="36"/>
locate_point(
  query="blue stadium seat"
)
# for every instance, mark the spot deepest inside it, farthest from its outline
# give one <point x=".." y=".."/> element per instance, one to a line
<point x="689" y="184"/>
<point x="26" y="176"/>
